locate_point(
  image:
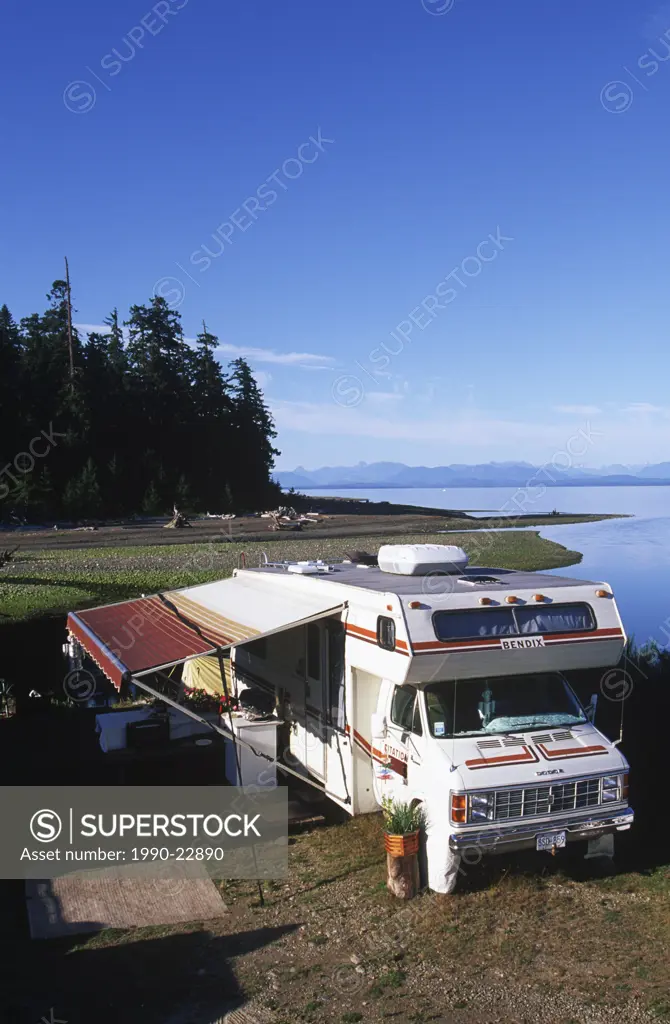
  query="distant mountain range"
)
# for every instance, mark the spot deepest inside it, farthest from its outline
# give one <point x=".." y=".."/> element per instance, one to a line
<point x="490" y="474"/>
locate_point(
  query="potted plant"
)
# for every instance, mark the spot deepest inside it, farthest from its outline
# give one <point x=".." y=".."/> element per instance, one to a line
<point x="402" y="827"/>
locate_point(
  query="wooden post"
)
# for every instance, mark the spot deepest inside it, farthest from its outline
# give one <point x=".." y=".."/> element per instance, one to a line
<point x="402" y="864"/>
<point x="402" y="875"/>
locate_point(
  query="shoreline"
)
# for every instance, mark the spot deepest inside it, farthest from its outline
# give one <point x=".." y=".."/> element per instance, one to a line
<point x="338" y="517"/>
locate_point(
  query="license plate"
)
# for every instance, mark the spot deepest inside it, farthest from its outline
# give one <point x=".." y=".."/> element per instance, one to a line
<point x="551" y="840"/>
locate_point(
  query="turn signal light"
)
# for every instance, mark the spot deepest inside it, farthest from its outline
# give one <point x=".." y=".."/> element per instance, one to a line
<point x="485" y="600"/>
<point x="458" y="808"/>
<point x="511" y="599"/>
<point x="415" y="604"/>
<point x="624" y="787"/>
<point x="539" y="597"/>
<point x="389" y="607"/>
<point x="603" y="593"/>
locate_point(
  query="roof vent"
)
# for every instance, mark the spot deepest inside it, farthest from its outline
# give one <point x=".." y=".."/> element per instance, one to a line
<point x="421" y="559"/>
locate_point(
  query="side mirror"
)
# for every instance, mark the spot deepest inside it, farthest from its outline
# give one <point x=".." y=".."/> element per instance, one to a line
<point x="379" y="727"/>
<point x="591" y="709"/>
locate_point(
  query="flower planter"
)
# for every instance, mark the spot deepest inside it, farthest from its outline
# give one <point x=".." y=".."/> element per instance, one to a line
<point x="402" y="864"/>
<point x="402" y="846"/>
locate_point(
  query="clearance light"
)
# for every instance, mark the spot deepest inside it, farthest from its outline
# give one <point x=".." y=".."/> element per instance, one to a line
<point x="485" y="600"/>
<point x="458" y="808"/>
<point x="511" y="599"/>
<point x="539" y="597"/>
<point x="389" y="607"/>
<point x="603" y="593"/>
<point x="415" y="604"/>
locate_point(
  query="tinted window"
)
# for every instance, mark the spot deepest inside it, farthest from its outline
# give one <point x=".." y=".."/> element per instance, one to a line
<point x="469" y="625"/>
<point x="386" y="633"/>
<point x="560" y="618"/>
<point x="403" y="706"/>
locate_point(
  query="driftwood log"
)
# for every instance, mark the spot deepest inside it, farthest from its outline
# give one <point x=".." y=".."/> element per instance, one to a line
<point x="7" y="555"/>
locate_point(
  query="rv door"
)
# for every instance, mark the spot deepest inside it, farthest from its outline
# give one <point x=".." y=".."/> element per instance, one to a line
<point x="402" y="746"/>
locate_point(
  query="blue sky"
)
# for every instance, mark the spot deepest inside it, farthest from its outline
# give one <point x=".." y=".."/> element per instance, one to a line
<point x="398" y="138"/>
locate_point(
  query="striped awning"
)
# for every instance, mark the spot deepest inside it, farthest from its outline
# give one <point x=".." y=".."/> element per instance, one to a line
<point x="137" y="637"/>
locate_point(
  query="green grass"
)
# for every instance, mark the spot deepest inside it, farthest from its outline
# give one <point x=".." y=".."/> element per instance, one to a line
<point x="41" y="582"/>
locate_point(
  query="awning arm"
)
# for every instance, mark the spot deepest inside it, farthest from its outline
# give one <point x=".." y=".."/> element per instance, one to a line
<point x="226" y="733"/>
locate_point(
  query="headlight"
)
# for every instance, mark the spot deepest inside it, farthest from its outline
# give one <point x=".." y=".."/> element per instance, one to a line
<point x="611" y="787"/>
<point x="481" y="807"/>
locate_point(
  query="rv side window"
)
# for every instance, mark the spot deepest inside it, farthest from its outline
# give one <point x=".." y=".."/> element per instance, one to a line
<point x="313" y="651"/>
<point x="469" y="625"/>
<point x="402" y="706"/>
<point x="386" y="633"/>
<point x="559" y="618"/>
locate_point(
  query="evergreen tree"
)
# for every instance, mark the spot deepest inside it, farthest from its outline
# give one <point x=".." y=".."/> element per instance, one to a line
<point x="252" y="435"/>
<point x="11" y="413"/>
<point x="138" y="425"/>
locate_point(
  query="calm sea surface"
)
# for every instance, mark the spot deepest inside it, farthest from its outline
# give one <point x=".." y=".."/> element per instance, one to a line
<point x="633" y="555"/>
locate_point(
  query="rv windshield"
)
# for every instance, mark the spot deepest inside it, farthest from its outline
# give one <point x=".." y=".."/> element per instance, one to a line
<point x="483" y="707"/>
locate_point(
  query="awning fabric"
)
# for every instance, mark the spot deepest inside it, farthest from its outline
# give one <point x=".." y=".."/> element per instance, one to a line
<point x="205" y="674"/>
<point x="136" y="637"/>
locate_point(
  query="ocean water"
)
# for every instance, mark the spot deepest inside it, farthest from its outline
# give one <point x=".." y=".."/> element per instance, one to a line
<point x="632" y="555"/>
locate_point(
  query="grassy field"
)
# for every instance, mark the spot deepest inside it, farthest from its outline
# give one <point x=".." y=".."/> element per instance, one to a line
<point x="39" y="582"/>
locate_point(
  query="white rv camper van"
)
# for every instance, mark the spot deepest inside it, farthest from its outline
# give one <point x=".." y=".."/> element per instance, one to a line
<point x="418" y="678"/>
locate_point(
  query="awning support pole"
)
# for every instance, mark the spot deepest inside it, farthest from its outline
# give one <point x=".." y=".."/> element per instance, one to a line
<point x="223" y="732"/>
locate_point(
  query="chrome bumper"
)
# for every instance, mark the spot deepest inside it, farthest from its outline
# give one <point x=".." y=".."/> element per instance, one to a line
<point x="508" y="838"/>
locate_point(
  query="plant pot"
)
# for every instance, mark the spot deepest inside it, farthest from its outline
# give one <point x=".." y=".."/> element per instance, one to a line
<point x="402" y="864"/>
<point x="402" y="846"/>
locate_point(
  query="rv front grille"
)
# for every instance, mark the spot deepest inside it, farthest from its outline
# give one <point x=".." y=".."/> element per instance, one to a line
<point x="558" y="798"/>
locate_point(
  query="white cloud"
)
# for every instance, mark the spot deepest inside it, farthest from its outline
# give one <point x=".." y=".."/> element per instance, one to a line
<point x="381" y="397"/>
<point x="304" y="360"/>
<point x="263" y="379"/>
<point x="645" y="408"/>
<point x="578" y="410"/>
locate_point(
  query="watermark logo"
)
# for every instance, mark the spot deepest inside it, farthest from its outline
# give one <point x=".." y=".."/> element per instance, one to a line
<point x="171" y="289"/>
<point x="438" y="7"/>
<point x="79" y="685"/>
<point x="348" y="391"/>
<point x="241" y="219"/>
<point x="79" y="97"/>
<point x="616" y="97"/>
<point x="348" y="980"/>
<point x="616" y="685"/>
<point x="45" y="826"/>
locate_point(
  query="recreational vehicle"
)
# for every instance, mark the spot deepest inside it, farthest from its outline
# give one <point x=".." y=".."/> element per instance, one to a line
<point x="411" y="675"/>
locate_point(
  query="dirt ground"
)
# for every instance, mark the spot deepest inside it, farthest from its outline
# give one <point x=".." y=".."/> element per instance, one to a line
<point x="527" y="940"/>
<point x="395" y="520"/>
